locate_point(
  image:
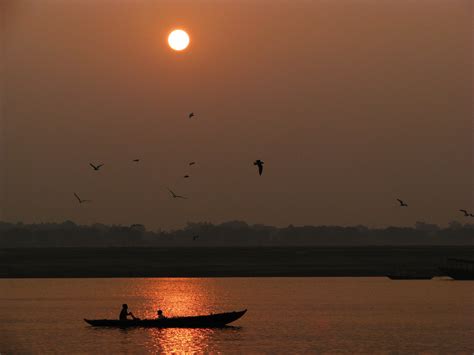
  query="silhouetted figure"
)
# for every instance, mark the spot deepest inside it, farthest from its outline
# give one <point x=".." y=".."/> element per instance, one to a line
<point x="174" y="195"/>
<point x="124" y="313"/>
<point x="192" y="163"/>
<point x="96" y="167"/>
<point x="195" y="237"/>
<point x="191" y="115"/>
<point x="259" y="163"/>
<point x="136" y="160"/>
<point x="402" y="204"/>
<point x="81" y="200"/>
<point x="160" y="314"/>
<point x="465" y="213"/>
<point x="186" y="176"/>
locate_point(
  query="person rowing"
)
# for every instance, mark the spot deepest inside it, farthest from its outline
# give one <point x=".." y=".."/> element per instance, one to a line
<point x="160" y="314"/>
<point x="124" y="313"/>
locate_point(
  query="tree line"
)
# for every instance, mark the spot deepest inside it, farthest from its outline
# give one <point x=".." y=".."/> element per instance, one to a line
<point x="233" y="233"/>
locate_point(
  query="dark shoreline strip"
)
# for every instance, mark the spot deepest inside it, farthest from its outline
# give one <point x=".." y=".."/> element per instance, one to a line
<point x="225" y="262"/>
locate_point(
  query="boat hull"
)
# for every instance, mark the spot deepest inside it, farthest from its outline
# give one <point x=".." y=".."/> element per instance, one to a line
<point x="209" y="321"/>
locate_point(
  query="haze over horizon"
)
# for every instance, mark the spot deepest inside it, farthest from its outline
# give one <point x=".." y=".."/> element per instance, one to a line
<point x="349" y="104"/>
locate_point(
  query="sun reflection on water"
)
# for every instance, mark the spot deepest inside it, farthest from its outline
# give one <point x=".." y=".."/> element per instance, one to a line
<point x="174" y="340"/>
<point x="178" y="297"/>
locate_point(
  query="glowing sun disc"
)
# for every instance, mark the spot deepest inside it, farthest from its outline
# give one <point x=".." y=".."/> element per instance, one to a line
<point x="178" y="40"/>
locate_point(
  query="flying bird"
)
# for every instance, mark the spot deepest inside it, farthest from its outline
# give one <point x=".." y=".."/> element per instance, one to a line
<point x="96" y="167"/>
<point x="465" y="213"/>
<point x="186" y="176"/>
<point x="174" y="195"/>
<point x="136" y="160"/>
<point x="259" y="163"/>
<point x="192" y="163"/>
<point x="191" y="115"/>
<point x="81" y="200"/>
<point x="402" y="204"/>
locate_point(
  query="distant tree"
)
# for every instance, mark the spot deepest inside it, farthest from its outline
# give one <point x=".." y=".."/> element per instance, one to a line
<point x="426" y="227"/>
<point x="454" y="225"/>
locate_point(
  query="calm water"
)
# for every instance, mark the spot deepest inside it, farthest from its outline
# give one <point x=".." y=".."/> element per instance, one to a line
<point x="286" y="315"/>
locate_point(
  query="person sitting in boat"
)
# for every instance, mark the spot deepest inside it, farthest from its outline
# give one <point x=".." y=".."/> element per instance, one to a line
<point x="124" y="313"/>
<point x="160" y="314"/>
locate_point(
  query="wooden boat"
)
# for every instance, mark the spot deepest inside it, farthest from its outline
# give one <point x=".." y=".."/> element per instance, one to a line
<point x="208" y="321"/>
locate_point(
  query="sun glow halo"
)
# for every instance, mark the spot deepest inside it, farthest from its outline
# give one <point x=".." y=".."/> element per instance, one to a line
<point x="178" y="40"/>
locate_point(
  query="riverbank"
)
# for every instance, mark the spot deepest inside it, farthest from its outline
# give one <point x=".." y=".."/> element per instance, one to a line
<point x="224" y="262"/>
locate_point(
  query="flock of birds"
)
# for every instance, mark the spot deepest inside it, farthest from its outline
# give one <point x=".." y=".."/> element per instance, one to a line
<point x="258" y="163"/>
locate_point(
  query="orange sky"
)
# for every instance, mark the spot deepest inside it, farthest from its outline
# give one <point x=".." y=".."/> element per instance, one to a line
<point x="351" y="104"/>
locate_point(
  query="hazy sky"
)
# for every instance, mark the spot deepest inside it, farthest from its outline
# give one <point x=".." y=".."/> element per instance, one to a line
<point x="350" y="103"/>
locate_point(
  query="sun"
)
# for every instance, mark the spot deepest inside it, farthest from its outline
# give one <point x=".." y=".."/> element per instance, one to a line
<point x="178" y="40"/>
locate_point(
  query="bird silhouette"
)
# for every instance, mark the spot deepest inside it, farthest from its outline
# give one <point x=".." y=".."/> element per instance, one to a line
<point x="81" y="200"/>
<point x="195" y="237"/>
<point x="402" y="204"/>
<point x="191" y="115"/>
<point x="259" y="163"/>
<point x="465" y="213"/>
<point x="192" y="163"/>
<point x="174" y="195"/>
<point x="186" y="176"/>
<point x="96" y="167"/>
<point x="136" y="160"/>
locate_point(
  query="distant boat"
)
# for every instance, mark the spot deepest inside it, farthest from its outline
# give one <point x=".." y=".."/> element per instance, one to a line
<point x="459" y="269"/>
<point x="408" y="276"/>
<point x="208" y="321"/>
<point x="401" y="273"/>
